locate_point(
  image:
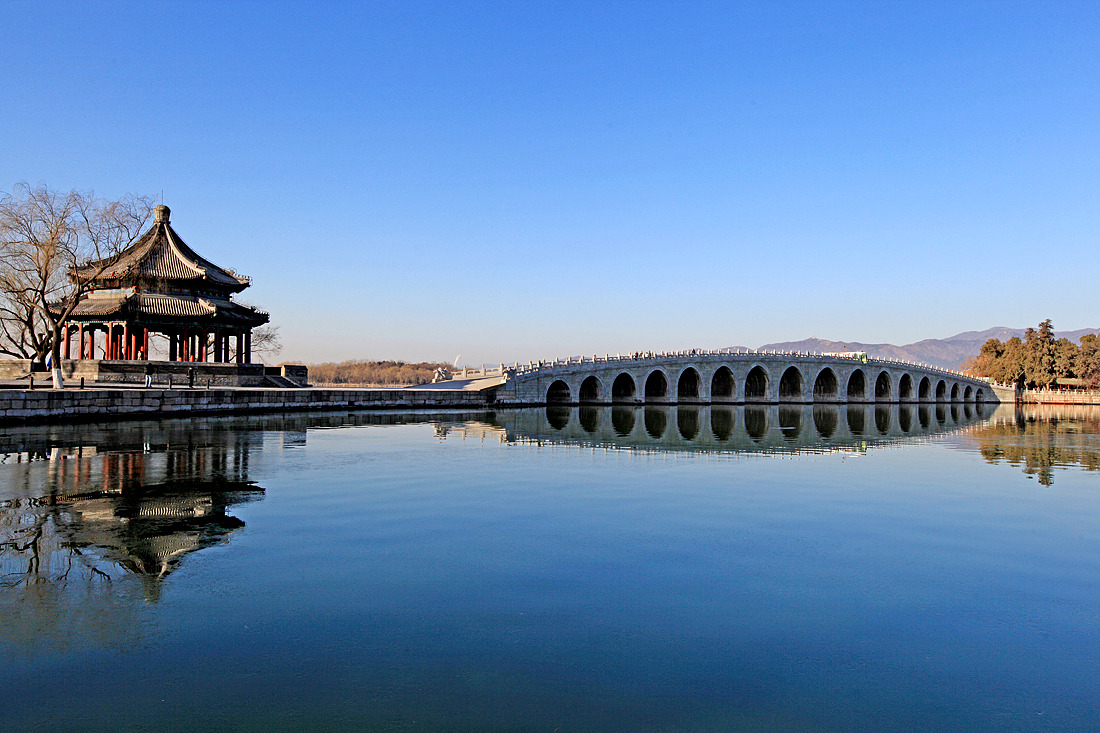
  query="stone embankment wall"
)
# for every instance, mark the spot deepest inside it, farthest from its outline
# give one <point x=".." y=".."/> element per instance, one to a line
<point x="74" y="405"/>
<point x="1059" y="397"/>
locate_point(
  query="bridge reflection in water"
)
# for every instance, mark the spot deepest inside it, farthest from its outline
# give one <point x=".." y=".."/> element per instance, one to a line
<point x="747" y="428"/>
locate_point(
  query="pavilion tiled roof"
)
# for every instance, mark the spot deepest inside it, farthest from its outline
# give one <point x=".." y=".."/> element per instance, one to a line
<point x="161" y="256"/>
<point x="166" y="307"/>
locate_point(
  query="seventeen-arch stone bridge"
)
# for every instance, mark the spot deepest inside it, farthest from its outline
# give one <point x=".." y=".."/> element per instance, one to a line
<point x="735" y="377"/>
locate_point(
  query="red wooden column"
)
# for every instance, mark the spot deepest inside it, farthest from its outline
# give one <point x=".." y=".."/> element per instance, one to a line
<point x="80" y="341"/>
<point x="185" y="343"/>
<point x="127" y="342"/>
<point x="145" y="344"/>
<point x="202" y="345"/>
<point x="248" y="347"/>
<point x="68" y="339"/>
<point x="240" y="351"/>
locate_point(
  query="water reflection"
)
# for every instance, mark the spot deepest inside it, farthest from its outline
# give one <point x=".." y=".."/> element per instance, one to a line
<point x="1041" y="439"/>
<point x="796" y="428"/>
<point x="138" y="504"/>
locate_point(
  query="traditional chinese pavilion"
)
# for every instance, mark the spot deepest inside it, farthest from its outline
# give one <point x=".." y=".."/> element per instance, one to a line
<point x="159" y="285"/>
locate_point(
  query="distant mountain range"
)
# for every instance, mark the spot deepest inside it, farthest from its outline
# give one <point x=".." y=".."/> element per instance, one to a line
<point x="948" y="353"/>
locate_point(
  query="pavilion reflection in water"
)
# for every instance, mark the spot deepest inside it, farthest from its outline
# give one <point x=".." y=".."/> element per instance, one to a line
<point x="737" y="429"/>
<point x="109" y="501"/>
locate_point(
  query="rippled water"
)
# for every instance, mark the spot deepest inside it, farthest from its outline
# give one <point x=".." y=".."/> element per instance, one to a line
<point x="591" y="569"/>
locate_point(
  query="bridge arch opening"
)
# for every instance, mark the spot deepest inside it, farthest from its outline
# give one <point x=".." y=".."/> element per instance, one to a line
<point x="905" y="388"/>
<point x="656" y="421"/>
<point x="756" y="384"/>
<point x="687" y="386"/>
<point x="925" y="389"/>
<point x="756" y="421"/>
<point x="721" y="423"/>
<point x="558" y="393"/>
<point x="656" y="386"/>
<point x="623" y="389"/>
<point x="557" y="416"/>
<point x="825" y="420"/>
<point x="687" y="422"/>
<point x="857" y="385"/>
<point x="882" y="419"/>
<point x="857" y="419"/>
<point x="825" y="386"/>
<point x="979" y="397"/>
<point x="721" y="385"/>
<point x="790" y="385"/>
<point x="882" y="387"/>
<point x="622" y="421"/>
<point x="905" y="418"/>
<point x="968" y="393"/>
<point x="589" y="418"/>
<point x="590" y="390"/>
<point x="941" y="391"/>
<point x="790" y="421"/>
<point x="955" y="392"/>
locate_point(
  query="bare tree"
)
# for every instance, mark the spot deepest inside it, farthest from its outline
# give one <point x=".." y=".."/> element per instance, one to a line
<point x="45" y="236"/>
<point x="266" y="341"/>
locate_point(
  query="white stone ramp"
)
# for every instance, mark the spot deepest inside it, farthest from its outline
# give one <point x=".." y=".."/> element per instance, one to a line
<point x="473" y="384"/>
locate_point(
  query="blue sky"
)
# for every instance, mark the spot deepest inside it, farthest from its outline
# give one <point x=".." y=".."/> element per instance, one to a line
<point x="514" y="180"/>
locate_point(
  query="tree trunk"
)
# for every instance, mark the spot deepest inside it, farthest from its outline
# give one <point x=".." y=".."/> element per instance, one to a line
<point x="55" y="359"/>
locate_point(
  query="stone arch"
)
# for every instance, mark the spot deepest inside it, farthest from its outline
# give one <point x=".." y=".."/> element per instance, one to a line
<point x="883" y="387"/>
<point x="955" y="392"/>
<point x="756" y="384"/>
<point x="968" y="393"/>
<point x="826" y="388"/>
<point x="722" y="385"/>
<point x="558" y="393"/>
<point x="905" y="388"/>
<point x="623" y="389"/>
<point x="979" y="397"/>
<point x="941" y="391"/>
<point x="857" y="386"/>
<point x="591" y="389"/>
<point x="687" y="386"/>
<point x="656" y="386"/>
<point x="790" y="385"/>
<point x="924" y="392"/>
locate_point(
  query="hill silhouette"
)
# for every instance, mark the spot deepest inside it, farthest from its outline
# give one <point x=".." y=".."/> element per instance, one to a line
<point x="948" y="353"/>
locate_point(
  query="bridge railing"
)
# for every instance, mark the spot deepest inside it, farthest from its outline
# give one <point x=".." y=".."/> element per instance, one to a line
<point x="644" y="356"/>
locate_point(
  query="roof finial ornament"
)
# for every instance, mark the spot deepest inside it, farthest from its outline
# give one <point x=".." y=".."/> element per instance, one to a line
<point x="161" y="213"/>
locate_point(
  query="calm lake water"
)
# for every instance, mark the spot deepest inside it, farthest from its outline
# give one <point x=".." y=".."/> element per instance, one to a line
<point x="591" y="569"/>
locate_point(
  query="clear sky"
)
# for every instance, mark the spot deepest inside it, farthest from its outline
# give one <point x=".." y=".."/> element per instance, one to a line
<point x="519" y="180"/>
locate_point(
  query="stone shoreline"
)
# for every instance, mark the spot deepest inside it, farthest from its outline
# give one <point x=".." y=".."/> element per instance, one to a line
<point x="50" y="406"/>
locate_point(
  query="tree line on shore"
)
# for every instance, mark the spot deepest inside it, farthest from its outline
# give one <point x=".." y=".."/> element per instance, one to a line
<point x="382" y="373"/>
<point x="1039" y="360"/>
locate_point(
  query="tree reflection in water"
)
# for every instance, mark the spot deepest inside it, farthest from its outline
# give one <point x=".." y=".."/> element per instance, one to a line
<point x="135" y="510"/>
<point x="1041" y="439"/>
